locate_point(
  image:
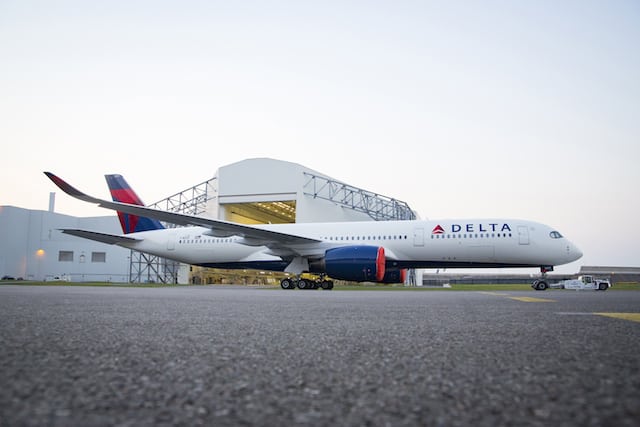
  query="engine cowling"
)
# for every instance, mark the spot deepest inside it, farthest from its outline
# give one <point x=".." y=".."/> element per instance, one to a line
<point x="395" y="276"/>
<point x="356" y="263"/>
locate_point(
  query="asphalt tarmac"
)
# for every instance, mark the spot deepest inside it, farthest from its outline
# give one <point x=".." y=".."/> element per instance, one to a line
<point x="90" y="356"/>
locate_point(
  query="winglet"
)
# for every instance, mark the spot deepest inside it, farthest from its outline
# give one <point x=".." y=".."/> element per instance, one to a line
<point x="69" y="189"/>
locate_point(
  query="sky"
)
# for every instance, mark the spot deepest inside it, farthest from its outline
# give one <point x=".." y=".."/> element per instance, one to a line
<point x="463" y="109"/>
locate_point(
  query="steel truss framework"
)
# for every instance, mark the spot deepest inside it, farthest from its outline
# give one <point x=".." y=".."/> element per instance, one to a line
<point x="378" y="207"/>
<point x="145" y="268"/>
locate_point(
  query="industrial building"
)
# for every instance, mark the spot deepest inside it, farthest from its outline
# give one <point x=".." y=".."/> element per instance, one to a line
<point x="252" y="191"/>
<point x="32" y="248"/>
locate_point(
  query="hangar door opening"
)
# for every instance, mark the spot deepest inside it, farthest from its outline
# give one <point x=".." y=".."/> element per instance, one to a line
<point x="274" y="212"/>
<point x="248" y="212"/>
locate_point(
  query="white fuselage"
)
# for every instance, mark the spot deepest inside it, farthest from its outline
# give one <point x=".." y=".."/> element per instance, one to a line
<point x="407" y="244"/>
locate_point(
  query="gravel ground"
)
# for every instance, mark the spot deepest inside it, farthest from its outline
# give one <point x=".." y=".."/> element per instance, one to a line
<point x="238" y="356"/>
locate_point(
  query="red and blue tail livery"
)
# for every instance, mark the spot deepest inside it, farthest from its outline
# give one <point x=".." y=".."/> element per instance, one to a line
<point x="123" y="193"/>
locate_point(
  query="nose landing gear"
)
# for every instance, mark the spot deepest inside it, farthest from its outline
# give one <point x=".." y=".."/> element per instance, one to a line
<point x="541" y="284"/>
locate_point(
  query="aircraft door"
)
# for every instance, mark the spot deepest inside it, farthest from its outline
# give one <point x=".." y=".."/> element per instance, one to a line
<point x="523" y="235"/>
<point x="171" y="242"/>
<point x="418" y="237"/>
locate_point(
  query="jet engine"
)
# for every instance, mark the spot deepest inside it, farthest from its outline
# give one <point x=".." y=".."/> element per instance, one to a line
<point x="356" y="263"/>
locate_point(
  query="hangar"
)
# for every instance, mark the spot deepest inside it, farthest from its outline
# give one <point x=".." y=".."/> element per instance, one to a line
<point x="251" y="191"/>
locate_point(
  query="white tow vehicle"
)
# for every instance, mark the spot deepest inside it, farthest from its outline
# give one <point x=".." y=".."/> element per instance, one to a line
<point x="579" y="284"/>
<point x="58" y="278"/>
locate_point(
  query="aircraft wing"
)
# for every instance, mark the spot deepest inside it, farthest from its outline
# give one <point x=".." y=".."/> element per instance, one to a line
<point x="219" y="228"/>
<point x="110" y="239"/>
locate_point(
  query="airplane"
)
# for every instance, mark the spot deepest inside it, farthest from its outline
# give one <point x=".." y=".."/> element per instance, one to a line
<point x="366" y="251"/>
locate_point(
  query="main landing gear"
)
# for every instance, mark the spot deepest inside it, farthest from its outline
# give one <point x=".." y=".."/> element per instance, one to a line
<point x="300" y="283"/>
<point x="541" y="284"/>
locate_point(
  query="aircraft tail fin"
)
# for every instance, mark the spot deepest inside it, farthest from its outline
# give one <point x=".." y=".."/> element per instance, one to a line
<point x="123" y="193"/>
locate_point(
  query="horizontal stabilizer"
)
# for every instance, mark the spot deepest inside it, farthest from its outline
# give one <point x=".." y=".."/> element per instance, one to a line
<point x="110" y="239"/>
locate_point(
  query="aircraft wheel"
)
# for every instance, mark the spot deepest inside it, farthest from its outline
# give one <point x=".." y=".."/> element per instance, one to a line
<point x="542" y="285"/>
<point x="286" y="284"/>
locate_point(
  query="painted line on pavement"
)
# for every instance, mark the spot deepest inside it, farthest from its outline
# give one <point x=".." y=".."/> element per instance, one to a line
<point x="532" y="299"/>
<point x="498" y="294"/>
<point x="634" y="317"/>
<point x="522" y="299"/>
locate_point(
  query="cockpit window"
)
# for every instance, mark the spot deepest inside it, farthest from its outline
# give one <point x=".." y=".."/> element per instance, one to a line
<point x="555" y="235"/>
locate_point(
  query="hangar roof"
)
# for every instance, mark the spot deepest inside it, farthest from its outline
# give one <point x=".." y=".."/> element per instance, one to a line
<point x="270" y="180"/>
<point x="262" y="176"/>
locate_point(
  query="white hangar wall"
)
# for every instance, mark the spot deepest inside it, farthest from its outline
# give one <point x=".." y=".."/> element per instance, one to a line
<point x="269" y="180"/>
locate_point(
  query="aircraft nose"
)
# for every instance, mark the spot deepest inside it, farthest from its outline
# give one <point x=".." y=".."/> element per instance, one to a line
<point x="574" y="252"/>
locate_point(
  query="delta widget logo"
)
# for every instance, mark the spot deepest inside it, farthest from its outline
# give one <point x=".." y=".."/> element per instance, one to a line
<point x="438" y="230"/>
